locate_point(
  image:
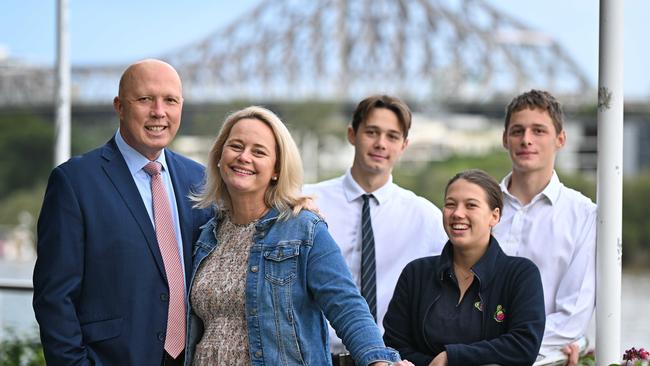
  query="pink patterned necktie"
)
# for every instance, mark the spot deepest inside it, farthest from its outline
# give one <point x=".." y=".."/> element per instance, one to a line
<point x="166" y="236"/>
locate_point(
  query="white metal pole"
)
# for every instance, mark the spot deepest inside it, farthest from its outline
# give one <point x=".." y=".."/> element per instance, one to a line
<point x="62" y="98"/>
<point x="610" y="183"/>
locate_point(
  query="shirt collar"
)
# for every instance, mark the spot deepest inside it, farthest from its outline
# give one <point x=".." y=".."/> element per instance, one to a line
<point x="551" y="191"/>
<point x="353" y="190"/>
<point x="484" y="269"/>
<point x="134" y="160"/>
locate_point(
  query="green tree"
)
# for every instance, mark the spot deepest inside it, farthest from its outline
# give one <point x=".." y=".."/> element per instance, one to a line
<point x="26" y="147"/>
<point x="21" y="351"/>
<point x="636" y="221"/>
<point x="22" y="200"/>
<point x="431" y="179"/>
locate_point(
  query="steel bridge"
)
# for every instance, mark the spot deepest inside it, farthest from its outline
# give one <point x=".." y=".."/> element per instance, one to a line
<point x="445" y="50"/>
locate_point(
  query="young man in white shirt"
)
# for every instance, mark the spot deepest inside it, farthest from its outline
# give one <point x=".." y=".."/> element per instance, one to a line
<point x="404" y="225"/>
<point x="547" y="222"/>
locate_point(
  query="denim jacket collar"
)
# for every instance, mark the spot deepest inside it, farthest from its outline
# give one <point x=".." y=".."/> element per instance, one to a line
<point x="264" y="223"/>
<point x="267" y="220"/>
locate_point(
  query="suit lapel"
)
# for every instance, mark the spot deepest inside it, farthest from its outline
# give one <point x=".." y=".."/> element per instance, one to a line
<point x="179" y="177"/>
<point x="118" y="173"/>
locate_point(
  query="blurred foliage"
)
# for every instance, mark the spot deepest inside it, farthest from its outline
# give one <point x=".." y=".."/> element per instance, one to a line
<point x="429" y="180"/>
<point x="26" y="144"/>
<point x="206" y="119"/>
<point x="26" y="147"/>
<point x="587" y="360"/>
<point x="636" y="221"/>
<point x="22" y="200"/>
<point x="21" y="351"/>
<point x="316" y="116"/>
<point x="87" y="136"/>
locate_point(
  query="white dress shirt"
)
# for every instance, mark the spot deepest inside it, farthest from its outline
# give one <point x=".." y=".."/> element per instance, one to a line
<point x="557" y="231"/>
<point x="405" y="227"/>
<point x="136" y="162"/>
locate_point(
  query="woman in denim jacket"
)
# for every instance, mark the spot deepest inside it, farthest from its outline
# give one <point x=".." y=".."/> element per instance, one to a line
<point x="265" y="273"/>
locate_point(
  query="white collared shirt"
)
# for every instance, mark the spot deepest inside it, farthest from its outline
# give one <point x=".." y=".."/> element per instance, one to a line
<point x="557" y="231"/>
<point x="136" y="162"/>
<point x="405" y="227"/>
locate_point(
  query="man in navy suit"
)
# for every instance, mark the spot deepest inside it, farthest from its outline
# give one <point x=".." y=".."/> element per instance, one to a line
<point x="101" y="293"/>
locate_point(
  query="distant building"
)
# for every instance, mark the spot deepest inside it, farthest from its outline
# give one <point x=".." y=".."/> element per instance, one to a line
<point x="582" y="134"/>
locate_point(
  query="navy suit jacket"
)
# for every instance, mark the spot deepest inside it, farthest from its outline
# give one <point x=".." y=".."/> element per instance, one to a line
<point x="100" y="292"/>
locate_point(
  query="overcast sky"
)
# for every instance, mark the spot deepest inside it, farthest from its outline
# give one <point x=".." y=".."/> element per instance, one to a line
<point x="127" y="30"/>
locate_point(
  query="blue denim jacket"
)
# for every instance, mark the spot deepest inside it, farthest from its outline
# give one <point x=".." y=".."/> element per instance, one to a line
<point x="296" y="277"/>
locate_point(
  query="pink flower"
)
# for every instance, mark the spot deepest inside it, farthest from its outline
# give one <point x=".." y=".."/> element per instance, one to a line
<point x="644" y="355"/>
<point x="500" y="314"/>
<point x="632" y="356"/>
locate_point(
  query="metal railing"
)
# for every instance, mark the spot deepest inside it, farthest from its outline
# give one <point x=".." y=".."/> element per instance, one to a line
<point x="15" y="284"/>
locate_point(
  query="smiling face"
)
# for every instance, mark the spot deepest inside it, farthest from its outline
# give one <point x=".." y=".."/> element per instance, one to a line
<point x="378" y="142"/>
<point x="467" y="216"/>
<point x="248" y="159"/>
<point x="149" y="106"/>
<point x="532" y="141"/>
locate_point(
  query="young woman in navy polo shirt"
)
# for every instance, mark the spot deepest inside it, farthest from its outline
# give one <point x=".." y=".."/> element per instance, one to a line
<point x="473" y="304"/>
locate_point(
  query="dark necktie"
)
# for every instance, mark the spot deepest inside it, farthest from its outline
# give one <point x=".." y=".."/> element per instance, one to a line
<point x="175" y="338"/>
<point x="368" y="282"/>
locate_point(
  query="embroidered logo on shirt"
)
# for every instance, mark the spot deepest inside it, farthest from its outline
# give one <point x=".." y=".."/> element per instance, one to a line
<point x="478" y="305"/>
<point x="500" y="314"/>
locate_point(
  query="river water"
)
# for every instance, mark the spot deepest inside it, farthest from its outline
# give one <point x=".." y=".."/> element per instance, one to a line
<point x="17" y="316"/>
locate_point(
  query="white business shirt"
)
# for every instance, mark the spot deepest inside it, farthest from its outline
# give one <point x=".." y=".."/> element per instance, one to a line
<point x="405" y="227"/>
<point x="136" y="162"/>
<point x="557" y="231"/>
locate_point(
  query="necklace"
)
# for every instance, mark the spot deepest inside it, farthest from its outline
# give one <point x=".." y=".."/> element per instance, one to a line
<point x="462" y="276"/>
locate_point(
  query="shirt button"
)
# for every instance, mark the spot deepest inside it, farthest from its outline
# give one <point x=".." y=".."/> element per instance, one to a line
<point x="161" y="336"/>
<point x="164" y="297"/>
<point x="254" y="269"/>
<point x="253" y="311"/>
<point x="258" y="354"/>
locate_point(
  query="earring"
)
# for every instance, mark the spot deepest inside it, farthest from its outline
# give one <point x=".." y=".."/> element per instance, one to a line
<point x="274" y="178"/>
<point x="218" y="165"/>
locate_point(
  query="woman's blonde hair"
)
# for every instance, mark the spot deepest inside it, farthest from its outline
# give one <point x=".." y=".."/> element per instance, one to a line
<point x="283" y="193"/>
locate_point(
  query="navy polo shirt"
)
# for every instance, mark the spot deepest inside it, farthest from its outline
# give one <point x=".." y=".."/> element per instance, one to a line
<point x="450" y="322"/>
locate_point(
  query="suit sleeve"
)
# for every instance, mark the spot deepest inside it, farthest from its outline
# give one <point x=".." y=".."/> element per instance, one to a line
<point x="58" y="273"/>
<point x="398" y="322"/>
<point x="520" y="344"/>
